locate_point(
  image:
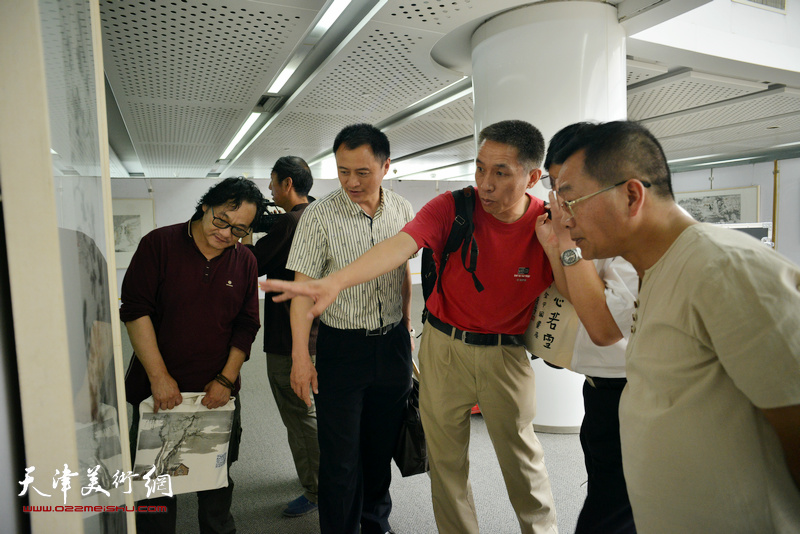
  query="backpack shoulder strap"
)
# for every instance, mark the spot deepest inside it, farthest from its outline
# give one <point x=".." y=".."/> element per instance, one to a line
<point x="461" y="232"/>
<point x="470" y="245"/>
<point x="465" y="204"/>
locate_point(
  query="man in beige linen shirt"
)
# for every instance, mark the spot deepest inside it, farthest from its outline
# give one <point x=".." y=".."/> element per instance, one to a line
<point x="710" y="417"/>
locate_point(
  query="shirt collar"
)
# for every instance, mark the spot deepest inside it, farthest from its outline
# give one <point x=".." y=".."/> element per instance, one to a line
<point x="355" y="209"/>
<point x="298" y="207"/>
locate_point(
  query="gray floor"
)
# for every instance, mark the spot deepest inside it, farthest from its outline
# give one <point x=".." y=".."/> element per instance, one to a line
<point x="266" y="480"/>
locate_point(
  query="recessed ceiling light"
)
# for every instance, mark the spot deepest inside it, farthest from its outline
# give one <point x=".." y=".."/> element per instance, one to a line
<point x="238" y="137"/>
<point x="332" y="12"/>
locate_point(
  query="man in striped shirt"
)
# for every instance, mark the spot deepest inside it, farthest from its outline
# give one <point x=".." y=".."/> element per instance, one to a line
<point x="363" y="369"/>
<point x="471" y="348"/>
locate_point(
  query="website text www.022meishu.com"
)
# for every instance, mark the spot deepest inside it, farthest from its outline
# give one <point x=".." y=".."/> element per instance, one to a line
<point x="68" y="508"/>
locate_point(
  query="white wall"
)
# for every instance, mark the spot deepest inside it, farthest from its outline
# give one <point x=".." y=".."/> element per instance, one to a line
<point x="735" y="31"/>
<point x="175" y="199"/>
<point x="760" y="174"/>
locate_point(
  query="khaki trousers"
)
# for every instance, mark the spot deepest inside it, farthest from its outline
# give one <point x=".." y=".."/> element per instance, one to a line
<point x="453" y="377"/>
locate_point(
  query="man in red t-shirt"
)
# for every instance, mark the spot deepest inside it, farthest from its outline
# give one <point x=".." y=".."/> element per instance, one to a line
<point x="471" y="347"/>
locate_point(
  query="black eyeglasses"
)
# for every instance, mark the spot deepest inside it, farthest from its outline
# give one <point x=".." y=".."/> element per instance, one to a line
<point x="238" y="231"/>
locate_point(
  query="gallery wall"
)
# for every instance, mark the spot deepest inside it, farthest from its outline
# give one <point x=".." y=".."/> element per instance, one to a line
<point x="787" y="226"/>
<point x="57" y="221"/>
<point x="174" y="199"/>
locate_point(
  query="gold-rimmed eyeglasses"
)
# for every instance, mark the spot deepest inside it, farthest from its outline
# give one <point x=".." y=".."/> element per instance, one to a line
<point x="237" y="231"/>
<point x="566" y="205"/>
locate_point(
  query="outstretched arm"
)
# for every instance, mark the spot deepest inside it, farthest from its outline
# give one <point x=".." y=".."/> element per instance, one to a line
<point x="380" y="259"/>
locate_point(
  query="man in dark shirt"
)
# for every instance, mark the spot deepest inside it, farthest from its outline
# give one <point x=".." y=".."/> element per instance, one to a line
<point x="290" y="183"/>
<point x="190" y="304"/>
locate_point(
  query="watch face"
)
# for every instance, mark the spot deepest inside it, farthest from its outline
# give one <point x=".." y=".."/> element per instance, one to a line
<point x="569" y="257"/>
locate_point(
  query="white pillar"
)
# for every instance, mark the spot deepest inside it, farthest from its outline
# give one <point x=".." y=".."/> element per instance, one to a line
<point x="551" y="64"/>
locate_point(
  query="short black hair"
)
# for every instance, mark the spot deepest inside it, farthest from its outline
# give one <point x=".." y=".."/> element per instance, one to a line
<point x="296" y="168"/>
<point x="523" y="136"/>
<point x="560" y="140"/>
<point x="232" y="192"/>
<point x="357" y="135"/>
<point x="620" y="149"/>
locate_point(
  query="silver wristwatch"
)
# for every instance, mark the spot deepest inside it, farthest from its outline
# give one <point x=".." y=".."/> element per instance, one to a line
<point x="571" y="256"/>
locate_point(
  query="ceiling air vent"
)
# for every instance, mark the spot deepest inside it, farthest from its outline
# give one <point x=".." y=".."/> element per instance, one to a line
<point x="779" y="5"/>
<point x="268" y="104"/>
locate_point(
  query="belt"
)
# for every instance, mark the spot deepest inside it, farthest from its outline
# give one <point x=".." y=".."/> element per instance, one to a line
<point x="382" y="331"/>
<point x="473" y="338"/>
<point x="599" y="382"/>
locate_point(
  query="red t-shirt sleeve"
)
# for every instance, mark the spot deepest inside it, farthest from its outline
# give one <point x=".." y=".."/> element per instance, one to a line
<point x="432" y="223"/>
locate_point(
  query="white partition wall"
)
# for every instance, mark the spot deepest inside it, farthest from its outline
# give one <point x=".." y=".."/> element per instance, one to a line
<point x="57" y="218"/>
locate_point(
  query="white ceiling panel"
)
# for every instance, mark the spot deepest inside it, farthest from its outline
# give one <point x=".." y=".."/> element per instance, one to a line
<point x="182" y="69"/>
<point x="295" y="134"/>
<point x="434" y="166"/>
<point x="440" y="16"/>
<point x="167" y="160"/>
<point x="447" y="123"/>
<point x="382" y="70"/>
<point x="684" y="90"/>
<point x="777" y="103"/>
<point x="186" y="74"/>
<point x="747" y="137"/>
<point x="181" y="123"/>
<point x="639" y="71"/>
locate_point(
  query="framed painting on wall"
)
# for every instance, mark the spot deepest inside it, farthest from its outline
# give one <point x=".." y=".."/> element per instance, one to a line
<point x="735" y="205"/>
<point x="133" y="219"/>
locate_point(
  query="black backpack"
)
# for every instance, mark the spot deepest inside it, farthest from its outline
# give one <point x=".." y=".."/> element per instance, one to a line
<point x="460" y="232"/>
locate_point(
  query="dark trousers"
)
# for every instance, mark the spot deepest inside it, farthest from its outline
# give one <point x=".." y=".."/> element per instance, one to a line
<point x="213" y="506"/>
<point x="364" y="382"/>
<point x="607" y="509"/>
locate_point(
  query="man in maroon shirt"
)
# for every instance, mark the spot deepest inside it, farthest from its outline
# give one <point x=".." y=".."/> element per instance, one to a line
<point x="190" y="304"/>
